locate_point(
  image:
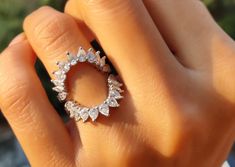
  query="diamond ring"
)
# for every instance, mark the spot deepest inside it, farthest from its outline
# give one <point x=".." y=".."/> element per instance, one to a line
<point x="76" y="110"/>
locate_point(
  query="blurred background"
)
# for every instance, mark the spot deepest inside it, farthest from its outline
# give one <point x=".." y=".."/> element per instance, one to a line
<point x="12" y="13"/>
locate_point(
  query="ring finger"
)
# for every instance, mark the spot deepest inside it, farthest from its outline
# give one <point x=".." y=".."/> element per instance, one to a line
<point x="51" y="34"/>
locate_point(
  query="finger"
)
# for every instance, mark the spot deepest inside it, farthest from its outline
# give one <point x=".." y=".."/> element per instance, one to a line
<point x="24" y="103"/>
<point x="71" y="9"/>
<point x="51" y="34"/>
<point x="129" y="38"/>
<point x="88" y="84"/>
<point x="188" y="29"/>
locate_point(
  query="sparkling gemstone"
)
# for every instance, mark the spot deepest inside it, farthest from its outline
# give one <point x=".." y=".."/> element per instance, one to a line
<point x="112" y="87"/>
<point x="57" y="82"/>
<point x="98" y="57"/>
<point x="62" y="96"/>
<point x="58" y="89"/>
<point x="91" y="57"/>
<point x="116" y="94"/>
<point x="77" y="114"/>
<point x="64" y="66"/>
<point x="112" y="80"/>
<point x="84" y="114"/>
<point x="93" y="113"/>
<point x="104" y="109"/>
<point x="102" y="61"/>
<point x="106" y="68"/>
<point x="82" y="57"/>
<point x="70" y="107"/>
<point x="60" y="75"/>
<point x="112" y="102"/>
<point x="69" y="104"/>
<point x="72" y="113"/>
<point x="72" y="59"/>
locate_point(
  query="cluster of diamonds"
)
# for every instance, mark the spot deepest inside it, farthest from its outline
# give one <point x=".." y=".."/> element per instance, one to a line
<point x="76" y="110"/>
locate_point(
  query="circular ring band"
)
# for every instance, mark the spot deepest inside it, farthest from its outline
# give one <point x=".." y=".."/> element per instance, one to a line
<point x="76" y="110"/>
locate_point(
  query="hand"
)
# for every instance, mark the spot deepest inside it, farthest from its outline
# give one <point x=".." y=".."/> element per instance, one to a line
<point x="177" y="66"/>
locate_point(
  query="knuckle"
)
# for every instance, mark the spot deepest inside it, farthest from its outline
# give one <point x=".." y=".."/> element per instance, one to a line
<point x="15" y="91"/>
<point x="49" y="29"/>
<point x="108" y="8"/>
<point x="16" y="102"/>
<point x="104" y="3"/>
<point x="14" y="87"/>
<point x="55" y="159"/>
<point x="36" y="15"/>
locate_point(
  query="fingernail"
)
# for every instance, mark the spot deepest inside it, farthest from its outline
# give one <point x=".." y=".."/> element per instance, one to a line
<point x="19" y="38"/>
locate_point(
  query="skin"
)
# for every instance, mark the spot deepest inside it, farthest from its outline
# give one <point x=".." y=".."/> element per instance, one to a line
<point x="178" y="69"/>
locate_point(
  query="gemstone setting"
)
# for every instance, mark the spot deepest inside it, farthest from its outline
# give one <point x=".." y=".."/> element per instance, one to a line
<point x="75" y="110"/>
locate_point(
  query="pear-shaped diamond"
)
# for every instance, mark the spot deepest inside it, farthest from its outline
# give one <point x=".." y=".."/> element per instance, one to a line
<point x="112" y="80"/>
<point x="84" y="114"/>
<point x="112" y="102"/>
<point x="57" y="82"/>
<point x="98" y="58"/>
<point x="69" y="104"/>
<point x="60" y="75"/>
<point x="102" y="61"/>
<point x="106" y="68"/>
<point x="63" y="66"/>
<point x="58" y="89"/>
<point x="77" y="113"/>
<point x="93" y="113"/>
<point x="72" y="59"/>
<point x="70" y="107"/>
<point x="62" y="96"/>
<point x="72" y="113"/>
<point x="112" y="87"/>
<point x="91" y="57"/>
<point x="116" y="94"/>
<point x="104" y="109"/>
<point x="82" y="57"/>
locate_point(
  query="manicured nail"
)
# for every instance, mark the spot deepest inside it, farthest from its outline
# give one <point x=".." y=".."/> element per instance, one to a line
<point x="19" y="38"/>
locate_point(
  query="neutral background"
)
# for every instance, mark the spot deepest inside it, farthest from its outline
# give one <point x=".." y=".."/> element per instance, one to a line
<point x="12" y="13"/>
